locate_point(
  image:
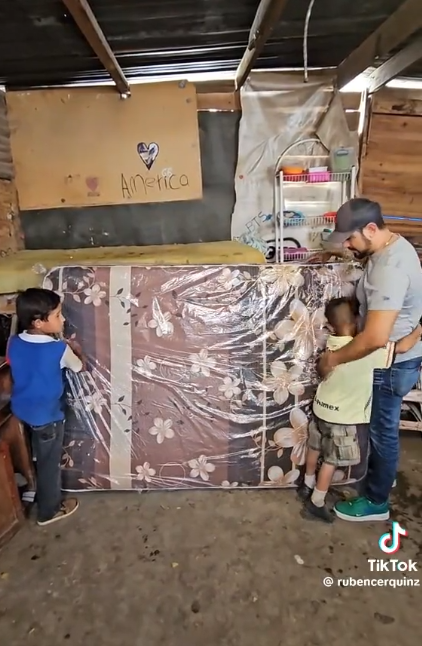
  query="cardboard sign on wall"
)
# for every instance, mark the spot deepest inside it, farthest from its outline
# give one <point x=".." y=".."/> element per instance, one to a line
<point x="87" y="146"/>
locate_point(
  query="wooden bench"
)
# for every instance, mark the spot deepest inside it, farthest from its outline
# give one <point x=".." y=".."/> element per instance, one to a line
<point x="414" y="397"/>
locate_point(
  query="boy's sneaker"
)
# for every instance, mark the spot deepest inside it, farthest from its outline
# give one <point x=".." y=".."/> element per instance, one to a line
<point x="312" y="512"/>
<point x="68" y="508"/>
<point x="361" y="510"/>
<point x="304" y="492"/>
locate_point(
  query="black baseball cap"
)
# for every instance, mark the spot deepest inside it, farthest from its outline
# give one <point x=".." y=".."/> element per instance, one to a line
<point x="353" y="216"/>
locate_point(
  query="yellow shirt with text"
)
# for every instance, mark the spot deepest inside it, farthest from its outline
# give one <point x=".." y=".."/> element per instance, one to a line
<point x="344" y="397"/>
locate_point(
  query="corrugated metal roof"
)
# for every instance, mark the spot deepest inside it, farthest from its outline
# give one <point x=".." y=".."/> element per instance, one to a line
<point x="40" y="44"/>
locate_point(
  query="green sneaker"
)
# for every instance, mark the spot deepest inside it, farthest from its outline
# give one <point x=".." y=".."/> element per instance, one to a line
<point x="360" y="510"/>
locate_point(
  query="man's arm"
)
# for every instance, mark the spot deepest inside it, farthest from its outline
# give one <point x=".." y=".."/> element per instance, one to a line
<point x="375" y="335"/>
<point x="385" y="296"/>
<point x="322" y="257"/>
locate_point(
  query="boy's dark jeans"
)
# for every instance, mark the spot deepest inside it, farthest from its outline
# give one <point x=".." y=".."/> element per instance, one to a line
<point x="47" y="444"/>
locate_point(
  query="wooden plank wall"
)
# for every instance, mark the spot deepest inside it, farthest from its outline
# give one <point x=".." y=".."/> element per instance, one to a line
<point x="392" y="161"/>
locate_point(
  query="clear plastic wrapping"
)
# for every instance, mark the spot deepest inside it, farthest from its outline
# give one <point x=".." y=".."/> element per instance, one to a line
<point x="199" y="376"/>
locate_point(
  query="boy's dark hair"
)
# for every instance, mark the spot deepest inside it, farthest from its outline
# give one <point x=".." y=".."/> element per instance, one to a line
<point x="341" y="310"/>
<point x="35" y="304"/>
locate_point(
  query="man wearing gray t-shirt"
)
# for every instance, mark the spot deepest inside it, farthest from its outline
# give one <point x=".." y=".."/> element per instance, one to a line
<point x="390" y="301"/>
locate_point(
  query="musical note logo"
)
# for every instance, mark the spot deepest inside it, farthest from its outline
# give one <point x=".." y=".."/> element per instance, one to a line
<point x="389" y="543"/>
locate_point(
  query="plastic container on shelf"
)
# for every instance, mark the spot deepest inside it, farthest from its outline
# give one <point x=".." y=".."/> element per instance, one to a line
<point x="293" y="170"/>
<point x="342" y="160"/>
<point x="325" y="235"/>
<point x="330" y="216"/>
<point x="294" y="253"/>
<point x="318" y="176"/>
<point x="293" y="218"/>
<point x="318" y="169"/>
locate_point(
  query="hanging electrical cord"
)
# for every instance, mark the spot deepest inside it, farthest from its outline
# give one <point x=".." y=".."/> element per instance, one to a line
<point x="305" y="41"/>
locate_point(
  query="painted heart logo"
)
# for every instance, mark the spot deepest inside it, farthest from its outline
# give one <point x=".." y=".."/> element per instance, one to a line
<point x="92" y="183"/>
<point x="148" y="153"/>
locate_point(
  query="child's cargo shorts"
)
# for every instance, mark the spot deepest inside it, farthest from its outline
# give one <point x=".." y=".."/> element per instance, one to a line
<point x="337" y="443"/>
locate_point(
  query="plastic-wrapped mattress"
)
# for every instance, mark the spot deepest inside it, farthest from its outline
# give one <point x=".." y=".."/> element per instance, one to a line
<point x="199" y="376"/>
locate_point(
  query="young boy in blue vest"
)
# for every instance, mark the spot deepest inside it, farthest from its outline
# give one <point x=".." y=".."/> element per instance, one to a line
<point x="342" y="407"/>
<point x="37" y="360"/>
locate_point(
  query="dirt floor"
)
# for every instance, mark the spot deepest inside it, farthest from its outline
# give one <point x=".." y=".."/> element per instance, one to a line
<point x="237" y="568"/>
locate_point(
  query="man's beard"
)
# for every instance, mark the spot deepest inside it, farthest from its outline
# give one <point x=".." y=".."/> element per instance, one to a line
<point x="362" y="255"/>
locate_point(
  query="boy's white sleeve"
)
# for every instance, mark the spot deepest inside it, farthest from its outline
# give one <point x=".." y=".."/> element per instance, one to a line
<point x="70" y="360"/>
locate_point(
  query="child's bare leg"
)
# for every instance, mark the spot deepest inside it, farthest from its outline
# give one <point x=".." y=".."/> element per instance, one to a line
<point x="325" y="477"/>
<point x="312" y="458"/>
<point x="315" y="506"/>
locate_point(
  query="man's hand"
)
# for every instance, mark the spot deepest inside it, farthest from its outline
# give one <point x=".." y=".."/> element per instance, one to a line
<point x="409" y="341"/>
<point x="322" y="257"/>
<point x="336" y="255"/>
<point x="326" y="363"/>
<point x="75" y="347"/>
<point x="77" y="350"/>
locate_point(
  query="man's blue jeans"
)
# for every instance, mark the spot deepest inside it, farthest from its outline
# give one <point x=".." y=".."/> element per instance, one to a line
<point x="389" y="388"/>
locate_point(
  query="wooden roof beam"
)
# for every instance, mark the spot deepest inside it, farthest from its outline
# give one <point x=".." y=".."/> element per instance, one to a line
<point x="396" y="65"/>
<point x="266" y="17"/>
<point x="88" y="25"/>
<point x="395" y="30"/>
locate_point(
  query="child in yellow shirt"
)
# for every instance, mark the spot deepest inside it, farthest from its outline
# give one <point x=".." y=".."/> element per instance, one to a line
<point x="342" y="407"/>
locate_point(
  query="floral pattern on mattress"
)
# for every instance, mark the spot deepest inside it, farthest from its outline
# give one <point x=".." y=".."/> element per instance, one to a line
<point x="199" y="376"/>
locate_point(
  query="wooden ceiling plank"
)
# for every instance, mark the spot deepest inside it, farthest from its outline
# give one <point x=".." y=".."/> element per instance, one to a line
<point x="88" y="25"/>
<point x="266" y="17"/>
<point x="395" y="65"/>
<point x="395" y="30"/>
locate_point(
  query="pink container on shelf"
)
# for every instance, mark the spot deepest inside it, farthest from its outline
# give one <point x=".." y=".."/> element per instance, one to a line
<point x="294" y="253"/>
<point x="324" y="176"/>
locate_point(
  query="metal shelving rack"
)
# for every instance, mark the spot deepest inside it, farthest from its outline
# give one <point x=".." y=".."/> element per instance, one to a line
<point x="307" y="195"/>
